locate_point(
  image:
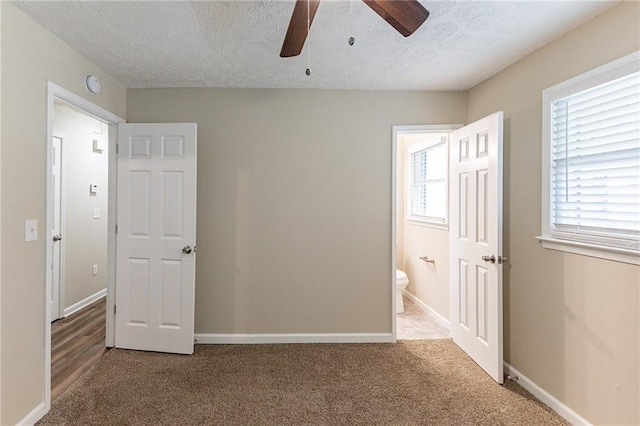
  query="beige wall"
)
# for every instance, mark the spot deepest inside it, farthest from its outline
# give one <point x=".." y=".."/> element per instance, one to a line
<point x="294" y="202"/>
<point x="30" y="56"/>
<point x="428" y="282"/>
<point x="85" y="238"/>
<point x="572" y="323"/>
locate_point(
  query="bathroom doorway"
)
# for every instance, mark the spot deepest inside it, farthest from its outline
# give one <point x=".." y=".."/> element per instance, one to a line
<point x="421" y="243"/>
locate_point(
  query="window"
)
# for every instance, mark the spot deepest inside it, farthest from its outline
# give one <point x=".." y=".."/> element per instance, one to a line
<point x="427" y="163"/>
<point x="591" y="137"/>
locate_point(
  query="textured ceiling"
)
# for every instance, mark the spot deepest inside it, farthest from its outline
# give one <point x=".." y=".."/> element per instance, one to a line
<point x="237" y="43"/>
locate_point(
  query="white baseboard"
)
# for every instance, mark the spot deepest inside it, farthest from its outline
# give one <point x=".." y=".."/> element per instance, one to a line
<point x="208" y="339"/>
<point x="35" y="415"/>
<point x="84" y="303"/>
<point x="546" y="398"/>
<point x="428" y="309"/>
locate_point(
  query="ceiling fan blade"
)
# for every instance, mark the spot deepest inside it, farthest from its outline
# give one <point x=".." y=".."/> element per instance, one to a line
<point x="406" y="16"/>
<point x="297" y="31"/>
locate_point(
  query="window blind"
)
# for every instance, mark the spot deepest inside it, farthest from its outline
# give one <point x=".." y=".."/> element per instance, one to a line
<point x="595" y="154"/>
<point x="429" y="183"/>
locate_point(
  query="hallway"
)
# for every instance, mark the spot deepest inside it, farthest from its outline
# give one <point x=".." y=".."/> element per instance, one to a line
<point x="77" y="343"/>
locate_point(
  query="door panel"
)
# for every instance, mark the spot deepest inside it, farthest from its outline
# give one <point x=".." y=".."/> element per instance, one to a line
<point x="156" y="220"/>
<point x="56" y="231"/>
<point x="476" y="232"/>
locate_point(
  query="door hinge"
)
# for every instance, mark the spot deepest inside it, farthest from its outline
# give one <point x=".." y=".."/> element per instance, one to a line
<point x="116" y="229"/>
<point x="117" y="149"/>
<point x="115" y="309"/>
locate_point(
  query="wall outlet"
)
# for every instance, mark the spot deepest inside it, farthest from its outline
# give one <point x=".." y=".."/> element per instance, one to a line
<point x="30" y="230"/>
<point x="96" y="213"/>
<point x="94" y="269"/>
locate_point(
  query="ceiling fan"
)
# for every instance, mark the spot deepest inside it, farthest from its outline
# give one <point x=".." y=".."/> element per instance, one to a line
<point x="405" y="16"/>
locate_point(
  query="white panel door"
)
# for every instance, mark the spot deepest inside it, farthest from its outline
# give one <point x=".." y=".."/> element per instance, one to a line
<point x="476" y="242"/>
<point x="56" y="231"/>
<point x="156" y="237"/>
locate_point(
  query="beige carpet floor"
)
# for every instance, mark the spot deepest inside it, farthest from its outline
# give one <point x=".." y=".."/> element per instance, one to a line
<point x="429" y="382"/>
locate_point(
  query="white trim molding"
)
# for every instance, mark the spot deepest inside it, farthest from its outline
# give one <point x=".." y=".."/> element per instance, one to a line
<point x="394" y="231"/>
<point x="70" y="99"/>
<point x="247" y="339"/>
<point x="545" y="397"/>
<point x="417" y="222"/>
<point x="592" y="250"/>
<point x="35" y="415"/>
<point x="84" y="302"/>
<point x="427" y="309"/>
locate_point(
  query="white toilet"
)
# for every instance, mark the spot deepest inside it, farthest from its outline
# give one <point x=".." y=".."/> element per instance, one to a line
<point x="401" y="283"/>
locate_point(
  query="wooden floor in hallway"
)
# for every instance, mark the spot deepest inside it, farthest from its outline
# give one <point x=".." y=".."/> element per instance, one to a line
<point x="77" y="343"/>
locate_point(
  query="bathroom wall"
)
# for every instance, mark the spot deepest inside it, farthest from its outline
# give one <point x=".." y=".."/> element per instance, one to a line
<point x="427" y="282"/>
<point x="84" y="238"/>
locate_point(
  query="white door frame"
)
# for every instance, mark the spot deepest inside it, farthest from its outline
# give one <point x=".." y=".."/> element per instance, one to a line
<point x="63" y="214"/>
<point x="397" y="131"/>
<point x="60" y="95"/>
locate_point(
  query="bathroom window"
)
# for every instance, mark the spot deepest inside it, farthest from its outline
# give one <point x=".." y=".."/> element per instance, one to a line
<point x="427" y="181"/>
<point x="591" y="148"/>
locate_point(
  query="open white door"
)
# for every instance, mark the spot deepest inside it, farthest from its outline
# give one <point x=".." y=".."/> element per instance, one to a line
<point x="56" y="230"/>
<point x="476" y="242"/>
<point x="156" y="237"/>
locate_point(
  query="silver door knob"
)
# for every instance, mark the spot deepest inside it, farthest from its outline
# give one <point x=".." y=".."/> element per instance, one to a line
<point x="57" y="237"/>
<point x="186" y="249"/>
<point x="489" y="258"/>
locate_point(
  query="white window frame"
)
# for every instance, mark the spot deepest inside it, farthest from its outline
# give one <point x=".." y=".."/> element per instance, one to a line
<point x="440" y="223"/>
<point x="595" y="77"/>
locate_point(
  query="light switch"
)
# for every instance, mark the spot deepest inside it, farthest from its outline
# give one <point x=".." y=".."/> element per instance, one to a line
<point x="98" y="145"/>
<point x="94" y="269"/>
<point x="30" y="230"/>
<point x="96" y="213"/>
<point x="93" y="188"/>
